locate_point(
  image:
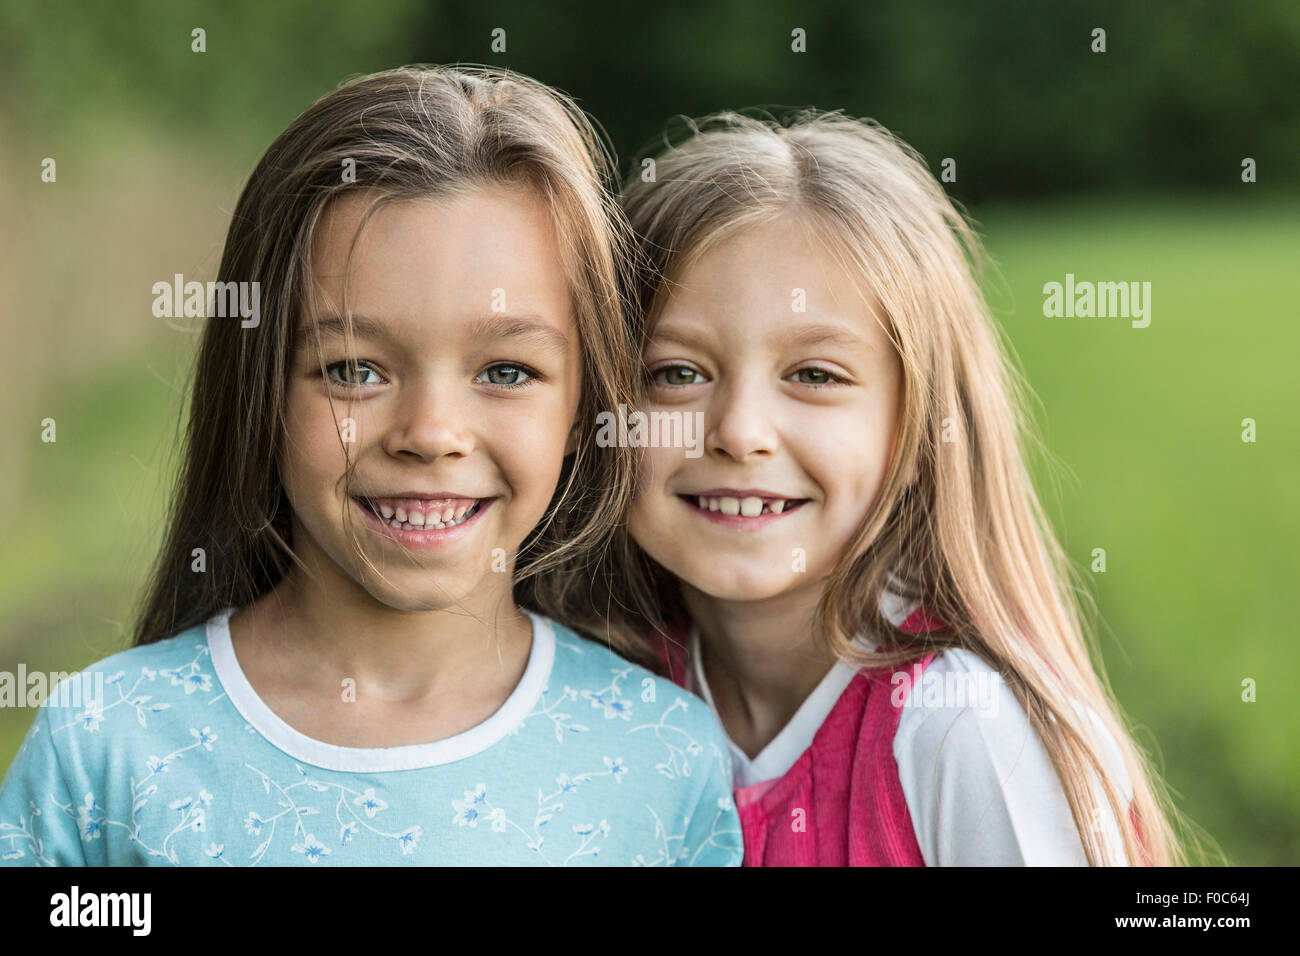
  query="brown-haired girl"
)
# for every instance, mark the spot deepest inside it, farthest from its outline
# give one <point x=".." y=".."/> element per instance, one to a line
<point x="351" y="650"/>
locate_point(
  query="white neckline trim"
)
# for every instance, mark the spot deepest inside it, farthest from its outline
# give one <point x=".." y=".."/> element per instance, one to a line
<point x="783" y="751"/>
<point x="541" y="657"/>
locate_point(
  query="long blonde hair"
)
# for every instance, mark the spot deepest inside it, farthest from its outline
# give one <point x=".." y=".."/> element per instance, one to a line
<point x="409" y="133"/>
<point x="957" y="525"/>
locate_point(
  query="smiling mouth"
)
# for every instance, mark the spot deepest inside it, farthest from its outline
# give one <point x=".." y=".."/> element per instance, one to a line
<point x="750" y="506"/>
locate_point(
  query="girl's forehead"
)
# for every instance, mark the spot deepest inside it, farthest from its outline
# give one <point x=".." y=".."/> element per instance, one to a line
<point x="490" y="224"/>
<point x="477" y="253"/>
<point x="770" y="282"/>
<point x="769" y="258"/>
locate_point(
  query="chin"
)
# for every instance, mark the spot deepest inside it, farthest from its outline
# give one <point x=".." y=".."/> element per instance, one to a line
<point x="734" y="584"/>
<point x="419" y="595"/>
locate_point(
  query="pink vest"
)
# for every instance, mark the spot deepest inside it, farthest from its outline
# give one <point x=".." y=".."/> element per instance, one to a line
<point x="841" y="804"/>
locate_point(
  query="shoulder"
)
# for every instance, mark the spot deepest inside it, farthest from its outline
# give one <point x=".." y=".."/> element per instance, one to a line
<point x="959" y="709"/>
<point x="135" y="679"/>
<point x="179" y="650"/>
<point x="592" y="673"/>
<point x="977" y="776"/>
<point x="962" y="709"/>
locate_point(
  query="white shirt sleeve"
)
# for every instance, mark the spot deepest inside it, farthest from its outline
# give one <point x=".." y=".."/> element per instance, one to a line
<point x="978" y="782"/>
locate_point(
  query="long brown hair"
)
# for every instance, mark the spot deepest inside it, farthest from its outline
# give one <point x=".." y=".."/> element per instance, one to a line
<point x="413" y="132"/>
<point x="957" y="525"/>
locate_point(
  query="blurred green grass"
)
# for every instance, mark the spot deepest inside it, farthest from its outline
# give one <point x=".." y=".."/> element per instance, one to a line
<point x="1197" y="525"/>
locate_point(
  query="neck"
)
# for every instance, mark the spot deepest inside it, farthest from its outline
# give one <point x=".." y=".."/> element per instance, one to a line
<point x="760" y="660"/>
<point x="321" y="630"/>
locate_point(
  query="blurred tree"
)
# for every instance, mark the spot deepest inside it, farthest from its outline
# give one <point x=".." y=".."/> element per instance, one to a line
<point x="1011" y="89"/>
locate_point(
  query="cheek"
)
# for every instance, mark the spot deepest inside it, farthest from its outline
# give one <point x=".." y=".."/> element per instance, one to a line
<point x="528" y="448"/>
<point x="654" y="465"/>
<point x="849" y="461"/>
<point x="650" y="515"/>
<point x="312" y="456"/>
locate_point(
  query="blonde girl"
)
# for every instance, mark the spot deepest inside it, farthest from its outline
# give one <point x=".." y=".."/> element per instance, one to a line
<point x="856" y="572"/>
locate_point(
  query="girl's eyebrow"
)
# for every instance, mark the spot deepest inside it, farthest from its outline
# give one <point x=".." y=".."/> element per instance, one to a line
<point x="524" y="327"/>
<point x="669" y="334"/>
<point x="824" y="334"/>
<point x="336" y="325"/>
<point x="799" y="336"/>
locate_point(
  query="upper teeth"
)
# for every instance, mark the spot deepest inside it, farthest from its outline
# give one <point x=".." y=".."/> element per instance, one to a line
<point x="412" y="514"/>
<point x="750" y="507"/>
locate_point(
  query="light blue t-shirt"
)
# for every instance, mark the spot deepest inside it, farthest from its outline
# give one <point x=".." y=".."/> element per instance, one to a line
<point x="591" y="760"/>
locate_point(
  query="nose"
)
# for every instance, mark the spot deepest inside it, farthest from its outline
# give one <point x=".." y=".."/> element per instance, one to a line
<point x="740" y="424"/>
<point x="429" y="421"/>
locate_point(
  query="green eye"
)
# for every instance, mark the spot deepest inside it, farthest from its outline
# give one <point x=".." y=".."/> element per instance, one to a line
<point x="676" y="375"/>
<point x="815" y="376"/>
<point x="350" y="370"/>
<point x="505" y="375"/>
